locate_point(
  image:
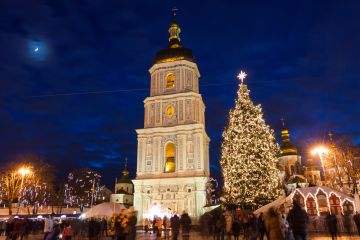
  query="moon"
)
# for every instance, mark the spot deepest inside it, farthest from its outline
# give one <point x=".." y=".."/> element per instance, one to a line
<point x="37" y="50"/>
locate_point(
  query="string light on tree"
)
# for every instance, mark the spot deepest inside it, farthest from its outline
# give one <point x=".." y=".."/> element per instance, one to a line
<point x="249" y="155"/>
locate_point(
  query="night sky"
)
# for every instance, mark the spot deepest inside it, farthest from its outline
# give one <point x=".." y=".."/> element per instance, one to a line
<point x="73" y="74"/>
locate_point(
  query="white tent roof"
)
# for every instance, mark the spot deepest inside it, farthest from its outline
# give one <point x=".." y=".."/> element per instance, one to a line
<point x="106" y="209"/>
<point x="275" y="203"/>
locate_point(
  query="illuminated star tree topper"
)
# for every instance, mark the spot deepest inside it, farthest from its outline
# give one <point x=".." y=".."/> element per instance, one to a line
<point x="242" y="75"/>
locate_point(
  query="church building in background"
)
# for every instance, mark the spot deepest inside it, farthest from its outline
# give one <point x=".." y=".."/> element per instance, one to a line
<point x="173" y="147"/>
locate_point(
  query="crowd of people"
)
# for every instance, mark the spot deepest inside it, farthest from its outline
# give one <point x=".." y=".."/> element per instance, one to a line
<point x="272" y="224"/>
<point x="20" y="228"/>
<point x="169" y="226"/>
<point x="123" y="226"/>
<point x="216" y="225"/>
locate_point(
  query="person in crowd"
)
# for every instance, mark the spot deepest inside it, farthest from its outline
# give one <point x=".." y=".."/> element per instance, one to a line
<point x="146" y="225"/>
<point x="205" y="224"/>
<point x="209" y="225"/>
<point x="29" y="227"/>
<point x="298" y="221"/>
<point x="236" y="228"/>
<point x="158" y="226"/>
<point x="175" y="226"/>
<point x="252" y="226"/>
<point x="273" y="225"/>
<point x="132" y="224"/>
<point x="357" y="221"/>
<point x="92" y="229"/>
<point x="67" y="232"/>
<point x="228" y="224"/>
<point x="154" y="226"/>
<point x="285" y="227"/>
<point x="122" y="225"/>
<point x="112" y="226"/>
<point x="185" y="223"/>
<point x="9" y="229"/>
<point x="48" y="226"/>
<point x="331" y="222"/>
<point x="347" y="223"/>
<point x="165" y="227"/>
<point x="261" y="226"/>
<point x="54" y="234"/>
<point x="104" y="228"/>
<point x="219" y="228"/>
<point x="2" y="227"/>
<point x="245" y="224"/>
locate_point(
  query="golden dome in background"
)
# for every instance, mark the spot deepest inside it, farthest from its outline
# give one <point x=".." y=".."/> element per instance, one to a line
<point x="286" y="148"/>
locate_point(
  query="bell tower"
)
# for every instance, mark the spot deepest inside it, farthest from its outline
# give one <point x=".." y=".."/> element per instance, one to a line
<point x="173" y="147"/>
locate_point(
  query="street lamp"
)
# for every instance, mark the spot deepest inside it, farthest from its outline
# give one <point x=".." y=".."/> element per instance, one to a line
<point x="321" y="150"/>
<point x="23" y="172"/>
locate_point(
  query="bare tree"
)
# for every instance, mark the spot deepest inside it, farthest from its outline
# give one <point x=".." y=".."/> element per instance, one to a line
<point x="82" y="188"/>
<point x="344" y="163"/>
<point x="11" y="186"/>
<point x="28" y="179"/>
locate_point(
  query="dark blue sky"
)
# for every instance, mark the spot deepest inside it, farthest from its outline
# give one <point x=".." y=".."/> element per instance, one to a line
<point x="302" y="59"/>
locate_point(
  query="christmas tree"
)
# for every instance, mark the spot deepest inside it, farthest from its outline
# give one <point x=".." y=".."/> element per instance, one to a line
<point x="249" y="155"/>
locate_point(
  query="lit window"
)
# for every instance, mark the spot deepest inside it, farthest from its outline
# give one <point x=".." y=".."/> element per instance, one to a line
<point x="169" y="158"/>
<point x="170" y="111"/>
<point x="170" y="80"/>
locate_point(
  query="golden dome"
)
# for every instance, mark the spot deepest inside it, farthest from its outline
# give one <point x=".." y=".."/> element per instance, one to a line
<point x="287" y="148"/>
<point x="174" y="51"/>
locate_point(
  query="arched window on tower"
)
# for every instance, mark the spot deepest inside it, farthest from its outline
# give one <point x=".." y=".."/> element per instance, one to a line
<point x="169" y="158"/>
<point x="170" y="80"/>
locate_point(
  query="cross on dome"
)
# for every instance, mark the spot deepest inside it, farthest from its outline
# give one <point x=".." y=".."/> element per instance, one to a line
<point x="282" y="119"/>
<point x="242" y="75"/>
<point x="174" y="10"/>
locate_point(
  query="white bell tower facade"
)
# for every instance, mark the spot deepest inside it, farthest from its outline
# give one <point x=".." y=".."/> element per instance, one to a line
<point x="173" y="147"/>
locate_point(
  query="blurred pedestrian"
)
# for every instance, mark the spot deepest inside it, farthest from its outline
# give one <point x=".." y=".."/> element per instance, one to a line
<point x="298" y="221"/>
<point x="357" y="221"/>
<point x="48" y="226"/>
<point x="228" y="224"/>
<point x="159" y="226"/>
<point x="273" y="225"/>
<point x="331" y="222"/>
<point x="132" y="224"/>
<point x="245" y="224"/>
<point x="2" y="228"/>
<point x="185" y="223"/>
<point x="55" y="233"/>
<point x="236" y="228"/>
<point x="154" y="227"/>
<point x="219" y="227"/>
<point x="165" y="227"/>
<point x="347" y="223"/>
<point x="104" y="228"/>
<point x="9" y="231"/>
<point x="252" y="226"/>
<point x="175" y="226"/>
<point x="146" y="225"/>
<point x="261" y="226"/>
<point x="67" y="232"/>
